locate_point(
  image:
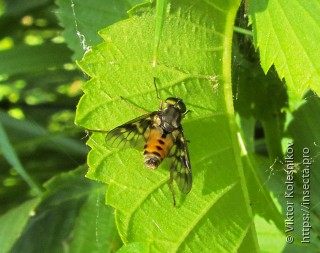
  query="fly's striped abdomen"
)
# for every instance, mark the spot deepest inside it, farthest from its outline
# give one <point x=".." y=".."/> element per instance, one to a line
<point x="157" y="147"/>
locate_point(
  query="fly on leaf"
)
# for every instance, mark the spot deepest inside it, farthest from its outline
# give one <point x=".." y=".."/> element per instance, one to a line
<point x="162" y="136"/>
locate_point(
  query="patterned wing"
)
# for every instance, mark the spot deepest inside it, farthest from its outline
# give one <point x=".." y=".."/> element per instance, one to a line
<point x="180" y="169"/>
<point x="131" y="133"/>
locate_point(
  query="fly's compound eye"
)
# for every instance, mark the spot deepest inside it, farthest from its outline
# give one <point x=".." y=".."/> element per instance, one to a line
<point x="177" y="103"/>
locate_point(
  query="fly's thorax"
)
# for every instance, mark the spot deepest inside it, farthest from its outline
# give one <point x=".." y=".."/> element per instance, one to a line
<point x="157" y="147"/>
<point x="172" y="114"/>
<point x="170" y="119"/>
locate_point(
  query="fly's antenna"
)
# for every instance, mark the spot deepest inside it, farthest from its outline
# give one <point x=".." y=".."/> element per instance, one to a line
<point x="155" y="85"/>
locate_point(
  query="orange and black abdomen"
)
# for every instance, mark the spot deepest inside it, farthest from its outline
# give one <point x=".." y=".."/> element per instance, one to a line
<point x="157" y="147"/>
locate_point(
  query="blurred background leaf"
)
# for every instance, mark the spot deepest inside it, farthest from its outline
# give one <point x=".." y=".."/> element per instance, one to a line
<point x="71" y="215"/>
<point x="82" y="20"/>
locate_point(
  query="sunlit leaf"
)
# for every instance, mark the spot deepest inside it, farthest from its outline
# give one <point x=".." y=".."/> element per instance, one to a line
<point x="193" y="64"/>
<point x="287" y="35"/>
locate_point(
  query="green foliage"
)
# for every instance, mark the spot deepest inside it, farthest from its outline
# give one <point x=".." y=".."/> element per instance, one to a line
<point x="82" y="20"/>
<point x="139" y="217"/>
<point x="288" y="42"/>
<point x="35" y="58"/>
<point x="13" y="223"/>
<point x="72" y="212"/>
<point x="237" y="201"/>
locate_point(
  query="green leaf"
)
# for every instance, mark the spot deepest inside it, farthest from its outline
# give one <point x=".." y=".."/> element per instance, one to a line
<point x="23" y="59"/>
<point x="135" y="247"/>
<point x="193" y="64"/>
<point x="83" y="19"/>
<point x="303" y="129"/>
<point x="287" y="35"/>
<point x="260" y="199"/>
<point x="95" y="229"/>
<point x="25" y="134"/>
<point x="74" y="217"/>
<point x="9" y="153"/>
<point x="161" y="13"/>
<point x="20" y="7"/>
<point x="251" y="100"/>
<point x="270" y="238"/>
<point x="274" y="178"/>
<point x="13" y="223"/>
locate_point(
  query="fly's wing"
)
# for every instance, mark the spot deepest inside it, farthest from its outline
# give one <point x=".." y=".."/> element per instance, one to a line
<point x="180" y="169"/>
<point x="131" y="133"/>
